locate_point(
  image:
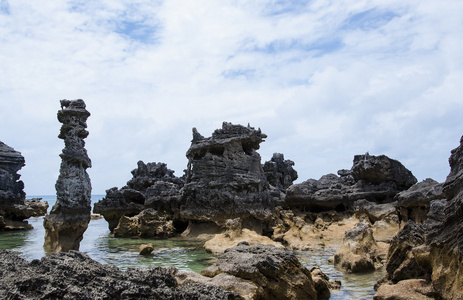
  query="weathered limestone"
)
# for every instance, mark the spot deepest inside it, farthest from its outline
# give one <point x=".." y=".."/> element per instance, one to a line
<point x="280" y="172"/>
<point x="373" y="178"/>
<point x="74" y="275"/>
<point x="14" y="208"/>
<point x="225" y="179"/>
<point x="147" y="206"/>
<point x="69" y="217"/>
<point x="359" y="252"/>
<point x="275" y="273"/>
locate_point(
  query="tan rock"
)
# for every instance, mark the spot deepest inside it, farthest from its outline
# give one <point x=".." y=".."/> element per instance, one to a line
<point x="411" y="289"/>
<point x="146" y="249"/>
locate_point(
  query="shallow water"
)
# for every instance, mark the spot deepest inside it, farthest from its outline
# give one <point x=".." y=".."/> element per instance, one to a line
<point x="184" y="254"/>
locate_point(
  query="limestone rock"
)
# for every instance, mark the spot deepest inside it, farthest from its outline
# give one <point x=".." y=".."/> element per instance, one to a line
<point x="411" y="289"/>
<point x="359" y="252"/>
<point x="321" y="283"/>
<point x="414" y="202"/>
<point x="373" y="178"/>
<point x="153" y="186"/>
<point x="69" y="217"/>
<point x="276" y="273"/>
<point x="225" y="178"/>
<point x="148" y="224"/>
<point x="74" y="275"/>
<point x="280" y="172"/>
<point x="14" y="208"/>
<point x="146" y="249"/>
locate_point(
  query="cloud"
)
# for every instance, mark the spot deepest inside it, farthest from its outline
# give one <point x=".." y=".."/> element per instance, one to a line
<point x="325" y="80"/>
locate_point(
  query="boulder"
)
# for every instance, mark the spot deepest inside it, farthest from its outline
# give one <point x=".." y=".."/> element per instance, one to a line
<point x="146" y="249"/>
<point x="373" y="178"/>
<point x="410" y="289"/>
<point x="148" y="224"/>
<point x="414" y="203"/>
<point x="69" y="217"/>
<point x="276" y="273"/>
<point x="225" y="179"/>
<point x="74" y="275"/>
<point x="280" y="172"/>
<point x="359" y="252"/>
<point x="14" y="207"/>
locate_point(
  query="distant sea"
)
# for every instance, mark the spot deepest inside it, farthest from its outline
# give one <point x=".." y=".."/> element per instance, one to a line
<point x="184" y="254"/>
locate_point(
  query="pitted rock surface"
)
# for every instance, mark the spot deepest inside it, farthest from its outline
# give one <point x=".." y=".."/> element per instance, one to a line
<point x="280" y="172"/>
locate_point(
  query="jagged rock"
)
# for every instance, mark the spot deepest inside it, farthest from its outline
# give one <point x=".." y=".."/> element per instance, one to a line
<point x="153" y="186"/>
<point x="74" y="275"/>
<point x="414" y="202"/>
<point x="69" y="217"/>
<point x="14" y="208"/>
<point x="148" y="223"/>
<point x="280" y="172"/>
<point x="359" y="252"/>
<point x="373" y="178"/>
<point x="225" y="179"/>
<point x="276" y="273"/>
<point x="321" y="283"/>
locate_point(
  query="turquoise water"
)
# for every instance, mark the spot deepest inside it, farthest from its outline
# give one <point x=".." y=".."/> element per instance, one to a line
<point x="184" y="254"/>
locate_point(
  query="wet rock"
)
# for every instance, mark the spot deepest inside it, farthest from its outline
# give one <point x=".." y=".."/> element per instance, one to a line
<point x="359" y="252"/>
<point x="146" y="249"/>
<point x="69" y="217"/>
<point x="373" y="178"/>
<point x="414" y="203"/>
<point x="280" y="172"/>
<point x="74" y="275"/>
<point x="148" y="224"/>
<point x="14" y="208"/>
<point x="321" y="283"/>
<point x="153" y="186"/>
<point x="276" y="273"/>
<point x="225" y="179"/>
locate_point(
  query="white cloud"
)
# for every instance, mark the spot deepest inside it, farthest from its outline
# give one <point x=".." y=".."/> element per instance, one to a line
<point x="324" y="79"/>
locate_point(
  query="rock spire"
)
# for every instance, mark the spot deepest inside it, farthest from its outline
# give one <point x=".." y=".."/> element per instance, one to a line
<point x="69" y="217"/>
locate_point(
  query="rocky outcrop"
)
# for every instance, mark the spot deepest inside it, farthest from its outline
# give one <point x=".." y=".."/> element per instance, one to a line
<point x="74" y="275"/>
<point x="433" y="250"/>
<point x="359" y="252"/>
<point x="280" y="172"/>
<point x="225" y="179"/>
<point x="414" y="203"/>
<point x="14" y="208"/>
<point x="274" y="273"/>
<point x="147" y="206"/>
<point x="69" y="217"/>
<point x="373" y="178"/>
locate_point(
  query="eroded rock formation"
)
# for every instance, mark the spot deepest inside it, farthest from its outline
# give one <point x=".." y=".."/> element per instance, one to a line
<point x="225" y="179"/>
<point x="374" y="178"/>
<point x="280" y="172"/>
<point x="74" y="275"/>
<point x="69" y="217"/>
<point x="148" y="206"/>
<point x="431" y="253"/>
<point x="14" y="208"/>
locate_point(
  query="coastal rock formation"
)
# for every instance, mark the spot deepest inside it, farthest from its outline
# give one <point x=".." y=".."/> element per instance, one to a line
<point x="14" y="208"/>
<point x="414" y="203"/>
<point x="275" y="273"/>
<point x="225" y="179"/>
<point x="280" y="172"/>
<point x="151" y="198"/>
<point x="373" y="178"/>
<point x="359" y="252"/>
<point x="433" y="250"/>
<point x="74" y="275"/>
<point x="69" y="217"/>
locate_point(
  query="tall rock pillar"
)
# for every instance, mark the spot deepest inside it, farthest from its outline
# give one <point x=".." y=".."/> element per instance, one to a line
<point x="69" y="217"/>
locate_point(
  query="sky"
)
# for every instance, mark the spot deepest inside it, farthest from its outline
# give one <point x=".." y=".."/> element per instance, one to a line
<point x="325" y="80"/>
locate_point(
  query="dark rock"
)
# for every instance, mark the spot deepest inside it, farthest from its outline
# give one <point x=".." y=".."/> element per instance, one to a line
<point x="414" y="202"/>
<point x="14" y="208"/>
<point x="280" y="172"/>
<point x="69" y="217"/>
<point x="373" y="178"/>
<point x="74" y="275"/>
<point x="277" y="273"/>
<point x="225" y="178"/>
<point x="374" y="211"/>
<point x="153" y="186"/>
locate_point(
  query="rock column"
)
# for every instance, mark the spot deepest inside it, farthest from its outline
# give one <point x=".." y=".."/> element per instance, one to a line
<point x="69" y="217"/>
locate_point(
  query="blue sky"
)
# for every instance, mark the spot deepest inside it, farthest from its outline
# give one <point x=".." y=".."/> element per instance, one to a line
<point x="325" y="80"/>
